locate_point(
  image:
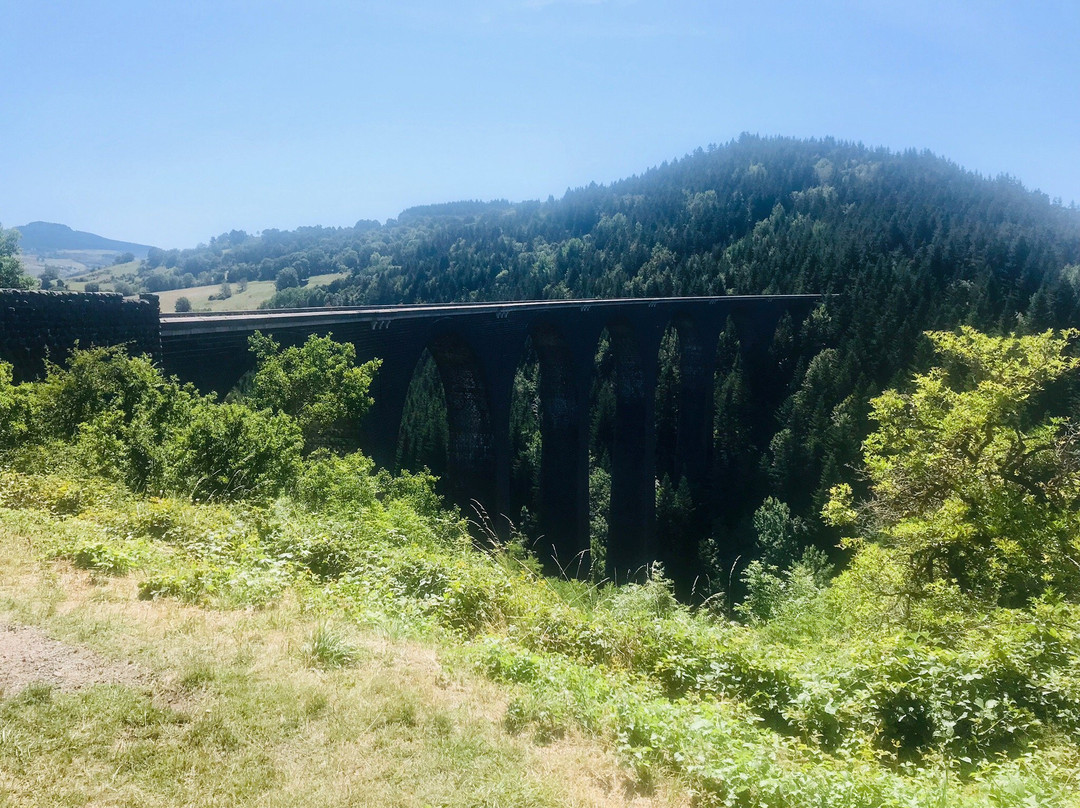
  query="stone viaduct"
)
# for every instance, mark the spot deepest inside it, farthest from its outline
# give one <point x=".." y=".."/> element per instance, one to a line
<point x="478" y="348"/>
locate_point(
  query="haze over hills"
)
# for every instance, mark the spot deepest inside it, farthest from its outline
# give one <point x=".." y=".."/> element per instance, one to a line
<point x="42" y="238"/>
<point x="57" y="247"/>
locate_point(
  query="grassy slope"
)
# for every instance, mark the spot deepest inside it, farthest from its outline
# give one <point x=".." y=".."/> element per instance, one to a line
<point x="257" y="291"/>
<point x="104" y="276"/>
<point x="230" y="709"/>
<point x="242" y="703"/>
<point x="70" y="262"/>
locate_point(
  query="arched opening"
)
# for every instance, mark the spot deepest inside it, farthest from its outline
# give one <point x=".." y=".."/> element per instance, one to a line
<point x="621" y="429"/>
<point x="424" y="434"/>
<point x="668" y="394"/>
<point x="676" y="531"/>
<point x="601" y="439"/>
<point x="446" y="422"/>
<point x="735" y="468"/>
<point x="526" y="446"/>
<point x="558" y="453"/>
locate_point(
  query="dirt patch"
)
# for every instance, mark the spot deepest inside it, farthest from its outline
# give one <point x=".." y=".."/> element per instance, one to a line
<point x="27" y="656"/>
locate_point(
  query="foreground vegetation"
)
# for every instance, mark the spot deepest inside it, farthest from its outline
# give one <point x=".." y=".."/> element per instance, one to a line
<point x="908" y="679"/>
<point x="284" y="705"/>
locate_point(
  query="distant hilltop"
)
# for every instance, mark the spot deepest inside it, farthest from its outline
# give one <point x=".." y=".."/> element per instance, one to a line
<point x="45" y="238"/>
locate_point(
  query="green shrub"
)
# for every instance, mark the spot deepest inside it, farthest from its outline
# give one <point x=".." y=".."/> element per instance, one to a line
<point x="228" y="451"/>
<point x="973" y="474"/>
<point x="105" y="556"/>
<point x="18" y="416"/>
<point x="116" y="413"/>
<point x="56" y="494"/>
<point x="317" y="383"/>
<point x="771" y="592"/>
<point x="101" y="380"/>
<point x="245" y="582"/>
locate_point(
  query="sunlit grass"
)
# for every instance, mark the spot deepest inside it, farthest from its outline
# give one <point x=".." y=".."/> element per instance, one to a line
<point x="256" y="292"/>
<point x="365" y="669"/>
<point x="270" y="707"/>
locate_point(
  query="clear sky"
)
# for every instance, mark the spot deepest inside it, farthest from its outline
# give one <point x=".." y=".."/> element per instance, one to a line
<point x="170" y="122"/>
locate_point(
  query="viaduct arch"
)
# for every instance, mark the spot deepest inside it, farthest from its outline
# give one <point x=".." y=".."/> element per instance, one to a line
<point x="478" y="348"/>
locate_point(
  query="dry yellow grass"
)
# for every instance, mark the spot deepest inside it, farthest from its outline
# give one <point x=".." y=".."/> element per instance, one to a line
<point x="228" y="710"/>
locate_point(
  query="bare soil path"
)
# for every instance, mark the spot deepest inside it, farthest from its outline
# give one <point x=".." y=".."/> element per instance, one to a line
<point x="29" y="656"/>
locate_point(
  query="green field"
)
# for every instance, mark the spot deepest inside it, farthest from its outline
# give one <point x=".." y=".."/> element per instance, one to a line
<point x="71" y="262"/>
<point x="104" y="276"/>
<point x="257" y="291"/>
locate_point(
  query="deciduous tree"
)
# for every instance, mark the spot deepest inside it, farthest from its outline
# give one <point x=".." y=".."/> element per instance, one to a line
<point x="12" y="275"/>
<point x="975" y="474"/>
<point x="318" y="383"/>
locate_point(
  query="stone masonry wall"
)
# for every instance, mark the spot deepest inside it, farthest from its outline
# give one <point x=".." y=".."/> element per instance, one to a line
<point x="35" y="326"/>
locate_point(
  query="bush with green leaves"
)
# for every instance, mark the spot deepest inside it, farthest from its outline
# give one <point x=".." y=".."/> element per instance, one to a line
<point x="975" y="474"/>
<point x="318" y="383"/>
<point x="786" y="574"/>
<point x="115" y="415"/>
<point x="99" y="380"/>
<point x="771" y="591"/>
<point x="331" y="482"/>
<point x="119" y="417"/>
<point x="228" y="451"/>
<point x="17" y="416"/>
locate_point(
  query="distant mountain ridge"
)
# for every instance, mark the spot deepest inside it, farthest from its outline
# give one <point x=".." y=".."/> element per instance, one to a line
<point x="48" y="237"/>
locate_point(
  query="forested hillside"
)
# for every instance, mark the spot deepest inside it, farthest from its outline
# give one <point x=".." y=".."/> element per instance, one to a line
<point x="903" y="243"/>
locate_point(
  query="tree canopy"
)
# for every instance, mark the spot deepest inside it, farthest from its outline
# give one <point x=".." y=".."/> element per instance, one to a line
<point x="318" y="383"/>
<point x="118" y="416"/>
<point x="974" y="474"/>
<point x="12" y="275"/>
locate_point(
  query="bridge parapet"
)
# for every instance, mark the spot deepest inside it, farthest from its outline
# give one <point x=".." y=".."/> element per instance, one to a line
<point x="36" y="326"/>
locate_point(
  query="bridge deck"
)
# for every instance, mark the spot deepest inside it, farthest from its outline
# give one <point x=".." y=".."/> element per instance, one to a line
<point x="208" y="322"/>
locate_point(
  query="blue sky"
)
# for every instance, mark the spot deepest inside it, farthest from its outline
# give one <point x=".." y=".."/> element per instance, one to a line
<point x="170" y="122"/>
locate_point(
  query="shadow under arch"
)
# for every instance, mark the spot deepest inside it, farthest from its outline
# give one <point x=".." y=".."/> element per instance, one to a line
<point x="633" y="495"/>
<point x="688" y="457"/>
<point x="697" y="365"/>
<point x="423" y="432"/>
<point x="563" y="497"/>
<point x="470" y="445"/>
